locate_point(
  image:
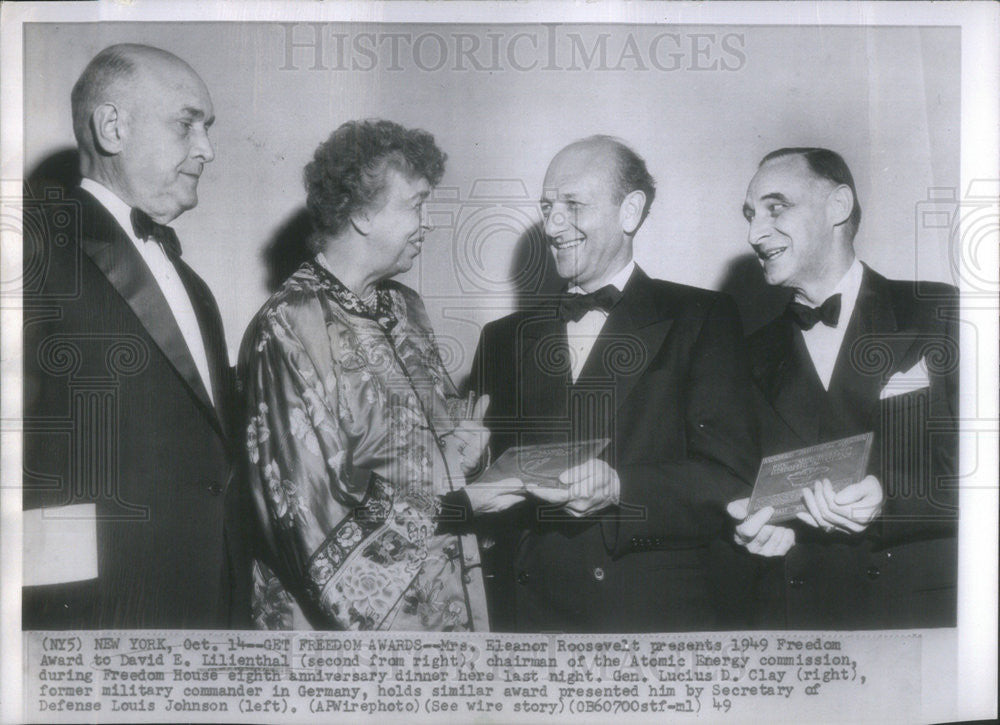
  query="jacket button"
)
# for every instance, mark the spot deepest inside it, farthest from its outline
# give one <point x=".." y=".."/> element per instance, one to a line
<point x="599" y="573"/>
<point x="796" y="582"/>
<point x="522" y="577"/>
<point x="873" y="572"/>
<point x="215" y="489"/>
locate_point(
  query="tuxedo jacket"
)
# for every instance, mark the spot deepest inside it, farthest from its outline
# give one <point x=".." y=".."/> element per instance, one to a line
<point x="901" y="571"/>
<point x="116" y="415"/>
<point x="666" y="383"/>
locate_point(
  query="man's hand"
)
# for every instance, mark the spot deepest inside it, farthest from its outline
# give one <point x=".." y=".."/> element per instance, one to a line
<point x="758" y="536"/>
<point x="495" y="496"/>
<point x="590" y="487"/>
<point x="468" y="440"/>
<point x="849" y="511"/>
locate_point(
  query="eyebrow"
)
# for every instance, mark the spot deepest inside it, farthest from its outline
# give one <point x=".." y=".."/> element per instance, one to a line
<point x="568" y="196"/>
<point x="775" y="196"/>
<point x="197" y="113"/>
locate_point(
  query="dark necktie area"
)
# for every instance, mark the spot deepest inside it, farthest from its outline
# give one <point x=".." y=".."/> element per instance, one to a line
<point x="572" y="307"/>
<point x="145" y="228"/>
<point x="806" y="317"/>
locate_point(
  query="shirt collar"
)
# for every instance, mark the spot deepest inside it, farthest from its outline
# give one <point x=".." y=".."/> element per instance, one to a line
<point x="619" y="281"/>
<point x="121" y="211"/>
<point x="848" y="288"/>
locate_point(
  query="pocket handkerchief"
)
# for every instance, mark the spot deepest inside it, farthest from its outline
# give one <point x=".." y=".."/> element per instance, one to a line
<point x="906" y="382"/>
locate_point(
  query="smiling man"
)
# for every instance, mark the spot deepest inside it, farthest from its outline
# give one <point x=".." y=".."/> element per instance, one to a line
<point x="131" y="519"/>
<point x="853" y="353"/>
<point x="631" y="541"/>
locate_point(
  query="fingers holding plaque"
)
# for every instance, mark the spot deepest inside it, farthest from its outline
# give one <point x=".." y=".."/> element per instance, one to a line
<point x="563" y="474"/>
<point x="542" y="465"/>
<point x="785" y="480"/>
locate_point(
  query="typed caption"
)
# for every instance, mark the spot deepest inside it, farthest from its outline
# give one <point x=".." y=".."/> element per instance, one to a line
<point x="304" y="677"/>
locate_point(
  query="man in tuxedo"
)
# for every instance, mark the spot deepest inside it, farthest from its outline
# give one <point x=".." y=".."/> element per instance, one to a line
<point x="631" y="540"/>
<point x="132" y="519"/>
<point x="854" y="352"/>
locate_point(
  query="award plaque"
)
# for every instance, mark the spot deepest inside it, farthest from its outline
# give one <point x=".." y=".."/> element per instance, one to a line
<point x="782" y="477"/>
<point x="540" y="465"/>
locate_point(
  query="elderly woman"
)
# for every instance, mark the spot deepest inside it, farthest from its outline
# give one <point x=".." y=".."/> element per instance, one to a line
<point x="355" y="435"/>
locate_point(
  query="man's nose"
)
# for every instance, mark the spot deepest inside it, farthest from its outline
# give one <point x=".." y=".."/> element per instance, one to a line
<point x="425" y="219"/>
<point x="760" y="228"/>
<point x="556" y="221"/>
<point x="202" y="147"/>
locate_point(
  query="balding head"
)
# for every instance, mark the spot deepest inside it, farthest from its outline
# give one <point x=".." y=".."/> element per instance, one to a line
<point x="141" y="118"/>
<point x="626" y="170"/>
<point x="110" y="77"/>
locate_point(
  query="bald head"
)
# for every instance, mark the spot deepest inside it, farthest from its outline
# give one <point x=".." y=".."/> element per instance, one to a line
<point x="625" y="169"/>
<point x="111" y="77"/>
<point x="141" y="117"/>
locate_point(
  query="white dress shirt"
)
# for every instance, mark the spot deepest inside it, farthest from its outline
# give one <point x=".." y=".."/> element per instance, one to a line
<point x="824" y="342"/>
<point x="166" y="277"/>
<point x="583" y="333"/>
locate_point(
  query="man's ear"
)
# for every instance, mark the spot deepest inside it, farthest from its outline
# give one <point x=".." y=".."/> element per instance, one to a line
<point x="840" y="204"/>
<point x="107" y="124"/>
<point x="630" y="211"/>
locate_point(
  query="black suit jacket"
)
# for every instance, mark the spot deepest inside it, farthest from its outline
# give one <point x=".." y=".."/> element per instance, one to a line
<point x="666" y="382"/>
<point x="115" y="414"/>
<point x="901" y="572"/>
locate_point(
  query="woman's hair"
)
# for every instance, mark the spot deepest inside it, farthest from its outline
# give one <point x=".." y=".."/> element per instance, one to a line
<point x="348" y="171"/>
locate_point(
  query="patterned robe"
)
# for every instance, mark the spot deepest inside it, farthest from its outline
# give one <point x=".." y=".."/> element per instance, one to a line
<point x="346" y="407"/>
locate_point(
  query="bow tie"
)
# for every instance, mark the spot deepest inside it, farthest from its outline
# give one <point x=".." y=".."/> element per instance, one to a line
<point x="806" y="317"/>
<point x="145" y="228"/>
<point x="575" y="306"/>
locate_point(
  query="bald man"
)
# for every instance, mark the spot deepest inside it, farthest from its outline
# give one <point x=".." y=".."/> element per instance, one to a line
<point x="631" y="541"/>
<point x="132" y="519"/>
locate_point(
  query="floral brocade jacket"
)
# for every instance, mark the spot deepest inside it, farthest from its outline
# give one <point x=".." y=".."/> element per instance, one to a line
<point x="345" y="408"/>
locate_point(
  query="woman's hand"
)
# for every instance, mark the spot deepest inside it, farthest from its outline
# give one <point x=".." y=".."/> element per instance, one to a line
<point x="467" y="441"/>
<point x="495" y="496"/>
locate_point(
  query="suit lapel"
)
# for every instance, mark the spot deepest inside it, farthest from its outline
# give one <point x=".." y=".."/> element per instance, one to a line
<point x="787" y="377"/>
<point x="111" y="250"/>
<point x="629" y="340"/>
<point x="871" y="350"/>
<point x="212" y="336"/>
<point x="544" y="364"/>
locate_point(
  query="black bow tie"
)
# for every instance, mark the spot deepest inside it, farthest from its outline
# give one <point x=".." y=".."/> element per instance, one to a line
<point x="145" y="228"/>
<point x="806" y="317"/>
<point x="575" y="306"/>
